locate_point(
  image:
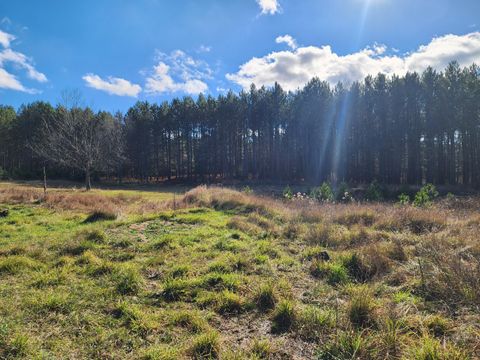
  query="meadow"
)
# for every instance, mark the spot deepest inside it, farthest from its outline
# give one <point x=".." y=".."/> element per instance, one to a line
<point x="217" y="273"/>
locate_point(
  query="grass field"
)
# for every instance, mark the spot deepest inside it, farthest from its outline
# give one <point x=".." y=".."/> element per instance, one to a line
<point x="217" y="273"/>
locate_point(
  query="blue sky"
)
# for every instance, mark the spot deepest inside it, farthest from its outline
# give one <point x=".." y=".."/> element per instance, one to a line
<point x="117" y="52"/>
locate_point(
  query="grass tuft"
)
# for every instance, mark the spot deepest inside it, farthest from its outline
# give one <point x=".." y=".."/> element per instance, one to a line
<point x="16" y="264"/>
<point x="127" y="279"/>
<point x="265" y="297"/>
<point x="284" y="317"/>
<point x="205" y="346"/>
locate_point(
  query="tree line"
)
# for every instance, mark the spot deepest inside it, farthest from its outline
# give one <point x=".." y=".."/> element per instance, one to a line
<point x="411" y="129"/>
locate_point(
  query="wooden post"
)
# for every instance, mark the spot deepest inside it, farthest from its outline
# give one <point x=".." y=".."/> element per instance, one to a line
<point x="44" y="181"/>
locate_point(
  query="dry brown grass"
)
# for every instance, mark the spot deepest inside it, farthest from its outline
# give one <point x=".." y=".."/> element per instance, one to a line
<point x="85" y="202"/>
<point x="418" y="221"/>
<point x="450" y="271"/>
<point x="226" y="199"/>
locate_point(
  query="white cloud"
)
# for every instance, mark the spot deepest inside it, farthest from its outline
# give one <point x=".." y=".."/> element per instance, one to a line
<point x="287" y="39"/>
<point x="19" y="61"/>
<point x="269" y="7"/>
<point x="292" y="69"/>
<point x="204" y="49"/>
<point x="178" y="72"/>
<point x="9" y="81"/>
<point x="113" y="85"/>
<point x="6" y="38"/>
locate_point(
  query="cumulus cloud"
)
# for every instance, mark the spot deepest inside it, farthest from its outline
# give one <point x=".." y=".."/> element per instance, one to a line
<point x="19" y="61"/>
<point x="287" y="39"/>
<point x="292" y="69"/>
<point x="6" y="38"/>
<point x="269" y="7"/>
<point x="112" y="85"/>
<point x="178" y="72"/>
<point x="9" y="81"/>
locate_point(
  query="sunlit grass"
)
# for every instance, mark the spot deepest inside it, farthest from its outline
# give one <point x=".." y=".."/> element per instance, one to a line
<point x="228" y="273"/>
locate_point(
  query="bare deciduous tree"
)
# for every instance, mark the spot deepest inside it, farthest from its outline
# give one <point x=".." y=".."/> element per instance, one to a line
<point x="77" y="138"/>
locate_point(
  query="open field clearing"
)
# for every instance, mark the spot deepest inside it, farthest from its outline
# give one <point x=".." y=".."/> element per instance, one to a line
<point x="218" y="273"/>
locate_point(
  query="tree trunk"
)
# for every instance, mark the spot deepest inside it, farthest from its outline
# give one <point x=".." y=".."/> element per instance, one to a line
<point x="44" y="181"/>
<point x="88" y="185"/>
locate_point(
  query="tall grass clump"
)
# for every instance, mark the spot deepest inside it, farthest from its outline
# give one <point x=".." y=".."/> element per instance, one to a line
<point x="347" y="345"/>
<point x="205" y="346"/>
<point x="16" y="264"/>
<point x="284" y="316"/>
<point x="361" y="309"/>
<point x="265" y="297"/>
<point x="128" y="280"/>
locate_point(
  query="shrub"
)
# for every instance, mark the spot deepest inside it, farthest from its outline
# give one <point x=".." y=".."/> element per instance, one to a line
<point x="374" y="192"/>
<point x="284" y="316"/>
<point x="343" y="193"/>
<point x="205" y="346"/>
<point x="247" y="190"/>
<point x="3" y="174"/>
<point x="323" y="193"/>
<point x="100" y="215"/>
<point x="403" y="199"/>
<point x="288" y="193"/>
<point x="425" y="196"/>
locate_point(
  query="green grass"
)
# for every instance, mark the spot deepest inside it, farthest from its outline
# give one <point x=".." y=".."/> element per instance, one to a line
<point x="232" y="279"/>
